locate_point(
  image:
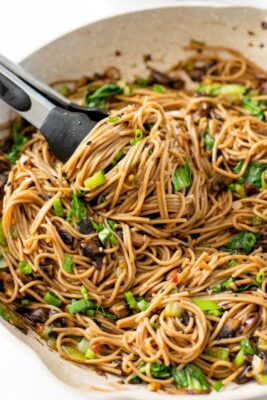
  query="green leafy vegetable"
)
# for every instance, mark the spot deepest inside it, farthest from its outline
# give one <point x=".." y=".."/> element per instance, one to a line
<point x="209" y="141"/>
<point x="225" y="285"/>
<point x="231" y="91"/>
<point x="190" y="377"/>
<point x="135" y="380"/>
<point x="254" y="107"/>
<point x="59" y="212"/>
<point x="95" y="180"/>
<point x="52" y="299"/>
<point x="25" y="268"/>
<point x="68" y="263"/>
<point x="97" y="226"/>
<point x="253" y="173"/>
<point x="182" y="177"/>
<point x="160" y="371"/>
<point x="79" y="208"/>
<point x="208" y="306"/>
<point x="138" y="136"/>
<point x="250" y="286"/>
<point x="103" y="312"/>
<point x="19" y="141"/>
<point x="97" y="98"/>
<point x="243" y="241"/>
<point x="246" y="346"/>
<point x="159" y="88"/>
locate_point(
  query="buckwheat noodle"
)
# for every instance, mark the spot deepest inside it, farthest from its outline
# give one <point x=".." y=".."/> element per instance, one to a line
<point x="169" y="245"/>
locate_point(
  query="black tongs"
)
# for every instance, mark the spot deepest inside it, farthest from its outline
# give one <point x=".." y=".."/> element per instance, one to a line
<point x="63" y="123"/>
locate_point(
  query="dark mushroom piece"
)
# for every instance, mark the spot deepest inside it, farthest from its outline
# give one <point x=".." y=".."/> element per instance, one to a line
<point x="48" y="269"/>
<point x="90" y="249"/>
<point x="218" y="183"/>
<point x="66" y="237"/>
<point x="185" y="318"/>
<point x="229" y="329"/>
<point x="250" y="189"/>
<point x="166" y="80"/>
<point x="37" y="316"/>
<point x="200" y="70"/>
<point x="244" y="376"/>
<point x="248" y="322"/>
<point x="85" y="226"/>
<point x="203" y="110"/>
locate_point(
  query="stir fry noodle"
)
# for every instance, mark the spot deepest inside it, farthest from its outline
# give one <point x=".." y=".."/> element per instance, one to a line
<point x="144" y="255"/>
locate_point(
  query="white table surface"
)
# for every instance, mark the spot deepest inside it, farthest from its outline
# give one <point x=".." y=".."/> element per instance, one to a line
<point x="25" y="26"/>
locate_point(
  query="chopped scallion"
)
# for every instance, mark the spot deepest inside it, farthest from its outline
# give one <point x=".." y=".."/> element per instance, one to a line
<point x="52" y="299"/>
<point x="24" y="267"/>
<point x="68" y="263"/>
<point x="59" y="212"/>
<point x="132" y="303"/>
<point x="117" y="157"/>
<point x="138" y="135"/>
<point x="95" y="180"/>
<point x="113" y="118"/>
<point x="260" y="277"/>
<point x="159" y="88"/>
<point x="182" y="178"/>
<point x="90" y="354"/>
<point x="208" y="306"/>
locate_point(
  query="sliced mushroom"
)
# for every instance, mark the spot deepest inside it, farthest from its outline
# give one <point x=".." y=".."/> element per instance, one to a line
<point x="66" y="236"/>
<point x="229" y="329"/>
<point x="185" y="318"/>
<point x="250" y="189"/>
<point x="245" y="375"/>
<point x="248" y="322"/>
<point x="37" y="316"/>
<point x="90" y="249"/>
<point x="218" y="183"/>
<point x="203" y="110"/>
<point x="164" y="79"/>
<point x="200" y="69"/>
<point x="48" y="269"/>
<point x="85" y="226"/>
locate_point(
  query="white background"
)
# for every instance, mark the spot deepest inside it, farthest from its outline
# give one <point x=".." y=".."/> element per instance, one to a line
<point x="25" y="26"/>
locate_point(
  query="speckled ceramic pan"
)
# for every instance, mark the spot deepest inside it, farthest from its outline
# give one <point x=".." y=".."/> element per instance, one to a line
<point x="161" y="32"/>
